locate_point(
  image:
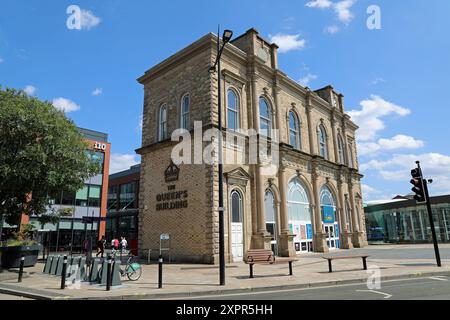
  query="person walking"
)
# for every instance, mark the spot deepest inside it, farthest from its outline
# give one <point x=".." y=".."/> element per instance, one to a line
<point x="101" y="246"/>
<point x="123" y="244"/>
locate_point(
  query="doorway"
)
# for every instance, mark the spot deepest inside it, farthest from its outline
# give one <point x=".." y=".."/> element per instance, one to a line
<point x="237" y="230"/>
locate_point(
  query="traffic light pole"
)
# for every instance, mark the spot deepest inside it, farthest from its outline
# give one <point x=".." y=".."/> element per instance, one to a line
<point x="433" y="230"/>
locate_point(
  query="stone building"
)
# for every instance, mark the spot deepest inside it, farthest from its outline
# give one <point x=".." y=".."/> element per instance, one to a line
<point x="311" y="202"/>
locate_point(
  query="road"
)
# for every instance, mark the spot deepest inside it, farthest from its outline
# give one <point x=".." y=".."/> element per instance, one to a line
<point x="430" y="288"/>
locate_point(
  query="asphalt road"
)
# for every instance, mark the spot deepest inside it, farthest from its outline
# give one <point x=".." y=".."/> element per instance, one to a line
<point x="431" y="288"/>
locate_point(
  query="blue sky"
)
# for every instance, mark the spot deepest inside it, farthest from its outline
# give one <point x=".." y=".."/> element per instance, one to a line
<point x="395" y="80"/>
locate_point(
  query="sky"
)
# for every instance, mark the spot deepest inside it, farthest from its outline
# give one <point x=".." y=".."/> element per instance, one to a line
<point x="393" y="67"/>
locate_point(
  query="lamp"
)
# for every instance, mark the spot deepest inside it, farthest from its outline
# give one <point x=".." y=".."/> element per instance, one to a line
<point x="227" y="34"/>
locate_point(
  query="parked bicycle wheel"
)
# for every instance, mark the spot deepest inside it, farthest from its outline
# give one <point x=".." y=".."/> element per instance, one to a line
<point x="134" y="272"/>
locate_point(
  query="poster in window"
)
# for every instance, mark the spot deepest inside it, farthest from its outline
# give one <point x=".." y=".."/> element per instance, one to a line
<point x="303" y="232"/>
<point x="309" y="231"/>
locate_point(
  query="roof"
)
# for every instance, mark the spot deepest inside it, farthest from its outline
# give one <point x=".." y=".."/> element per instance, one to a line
<point x="94" y="135"/>
<point x="371" y="206"/>
<point x="133" y="170"/>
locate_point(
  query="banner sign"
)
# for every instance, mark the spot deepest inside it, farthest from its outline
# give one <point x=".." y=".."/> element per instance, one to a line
<point x="328" y="214"/>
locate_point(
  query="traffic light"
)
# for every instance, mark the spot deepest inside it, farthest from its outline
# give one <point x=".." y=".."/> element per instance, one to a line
<point x="418" y="184"/>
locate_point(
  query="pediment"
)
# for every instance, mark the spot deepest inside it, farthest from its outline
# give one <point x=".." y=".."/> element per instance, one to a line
<point x="237" y="176"/>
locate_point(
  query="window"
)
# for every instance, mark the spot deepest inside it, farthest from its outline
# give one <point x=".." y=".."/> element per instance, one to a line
<point x="127" y="196"/>
<point x="94" y="196"/>
<point x="327" y="205"/>
<point x="185" y="109"/>
<point x="82" y="197"/>
<point x="298" y="202"/>
<point x="323" y="142"/>
<point x="68" y="198"/>
<point x="112" y="197"/>
<point x="162" y="122"/>
<point x="269" y="205"/>
<point x="236" y="207"/>
<point x="265" y="117"/>
<point x="96" y="156"/>
<point x="294" y="131"/>
<point x="232" y="110"/>
<point x="350" y="155"/>
<point x="341" y="150"/>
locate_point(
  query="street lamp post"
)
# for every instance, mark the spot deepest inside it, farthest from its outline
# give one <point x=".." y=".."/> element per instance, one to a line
<point x="227" y="34"/>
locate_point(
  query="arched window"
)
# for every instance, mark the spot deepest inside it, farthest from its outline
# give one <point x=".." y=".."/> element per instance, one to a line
<point x="294" y="131"/>
<point x="327" y="205"/>
<point x="269" y="205"/>
<point x="162" y="122"/>
<point x="350" y="155"/>
<point x="236" y="207"/>
<point x="232" y="110"/>
<point x="323" y="148"/>
<point x="298" y="202"/>
<point x="341" y="149"/>
<point x="185" y="110"/>
<point x="299" y="216"/>
<point x="265" y="117"/>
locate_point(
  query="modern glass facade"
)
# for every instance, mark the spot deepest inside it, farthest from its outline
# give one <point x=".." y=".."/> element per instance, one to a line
<point x="123" y="206"/>
<point x="402" y="221"/>
<point x="71" y="231"/>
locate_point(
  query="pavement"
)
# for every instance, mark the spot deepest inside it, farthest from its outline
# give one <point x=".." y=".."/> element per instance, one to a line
<point x="181" y="281"/>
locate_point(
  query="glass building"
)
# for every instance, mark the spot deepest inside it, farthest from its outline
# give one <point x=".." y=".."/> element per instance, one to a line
<point x="73" y="229"/>
<point x="403" y="221"/>
<point x="123" y="206"/>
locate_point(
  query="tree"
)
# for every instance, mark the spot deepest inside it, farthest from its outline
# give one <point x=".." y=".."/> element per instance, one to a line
<point x="41" y="154"/>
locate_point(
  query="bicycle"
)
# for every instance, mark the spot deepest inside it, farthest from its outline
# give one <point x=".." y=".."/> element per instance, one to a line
<point x="132" y="270"/>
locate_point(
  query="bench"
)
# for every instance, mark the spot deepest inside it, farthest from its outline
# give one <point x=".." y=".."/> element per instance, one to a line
<point x="266" y="257"/>
<point x="330" y="258"/>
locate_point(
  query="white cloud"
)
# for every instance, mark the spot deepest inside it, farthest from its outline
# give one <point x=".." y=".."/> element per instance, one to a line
<point x="97" y="92"/>
<point x="140" y="124"/>
<point x="1" y="60"/>
<point x="435" y="166"/>
<point x="369" y="117"/>
<point x="307" y="79"/>
<point x="288" y="42"/>
<point x="331" y="29"/>
<point x="30" y="90"/>
<point x="321" y="4"/>
<point x="65" y="105"/>
<point x="89" y="20"/>
<point x="341" y="8"/>
<point x="377" y="81"/>
<point x="368" y="191"/>
<point x="120" y="162"/>
<point x="400" y="141"/>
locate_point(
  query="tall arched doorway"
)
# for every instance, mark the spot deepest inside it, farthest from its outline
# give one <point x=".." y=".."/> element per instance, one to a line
<point x="329" y="218"/>
<point x="300" y="216"/>
<point x="237" y="229"/>
<point x="271" y="218"/>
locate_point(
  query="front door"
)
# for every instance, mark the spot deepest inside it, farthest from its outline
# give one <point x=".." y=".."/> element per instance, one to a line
<point x="237" y="230"/>
<point x="331" y="230"/>
<point x="237" y="249"/>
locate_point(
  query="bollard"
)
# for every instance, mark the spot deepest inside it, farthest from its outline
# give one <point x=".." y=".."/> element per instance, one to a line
<point x="63" y="275"/>
<point x="108" y="274"/>
<point x="160" y="269"/>
<point x="22" y="262"/>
